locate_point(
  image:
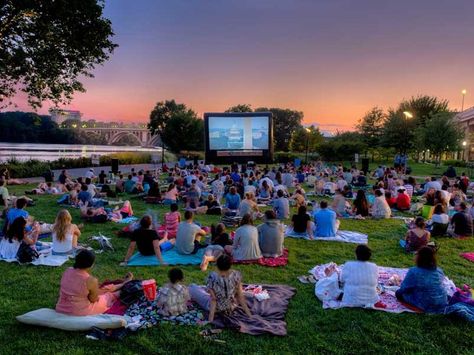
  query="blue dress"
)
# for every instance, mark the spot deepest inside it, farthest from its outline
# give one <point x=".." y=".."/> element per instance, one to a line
<point x="423" y="288"/>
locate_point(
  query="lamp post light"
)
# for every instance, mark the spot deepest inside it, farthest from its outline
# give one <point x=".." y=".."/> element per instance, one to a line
<point x="463" y="92"/>
<point x="407" y="115"/>
<point x="464" y="143"/>
<point x="308" y="131"/>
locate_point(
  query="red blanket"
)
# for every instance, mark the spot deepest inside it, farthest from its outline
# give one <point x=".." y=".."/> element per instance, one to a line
<point x="271" y="262"/>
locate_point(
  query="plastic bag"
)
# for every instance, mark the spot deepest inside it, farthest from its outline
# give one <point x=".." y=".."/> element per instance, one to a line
<point x="327" y="289"/>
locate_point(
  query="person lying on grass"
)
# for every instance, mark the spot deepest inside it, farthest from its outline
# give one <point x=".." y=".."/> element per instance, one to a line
<point x="147" y="241"/>
<point x="219" y="240"/>
<point x="80" y="294"/>
<point x="224" y="290"/>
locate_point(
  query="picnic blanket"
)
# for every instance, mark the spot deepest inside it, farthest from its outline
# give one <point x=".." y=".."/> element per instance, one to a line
<point x="46" y="258"/>
<point x="271" y="262"/>
<point x="171" y="257"/>
<point x="468" y="256"/>
<point x="268" y="316"/>
<point x="388" y="302"/>
<point x="127" y="220"/>
<point x="341" y="236"/>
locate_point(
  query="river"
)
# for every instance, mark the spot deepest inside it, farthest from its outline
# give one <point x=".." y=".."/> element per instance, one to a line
<point x="50" y="152"/>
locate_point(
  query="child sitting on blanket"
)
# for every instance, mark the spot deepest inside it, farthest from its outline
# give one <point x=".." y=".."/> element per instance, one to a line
<point x="173" y="296"/>
<point x="172" y="219"/>
<point x="224" y="290"/>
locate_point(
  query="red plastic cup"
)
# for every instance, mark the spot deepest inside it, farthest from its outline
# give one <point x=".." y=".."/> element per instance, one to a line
<point x="149" y="289"/>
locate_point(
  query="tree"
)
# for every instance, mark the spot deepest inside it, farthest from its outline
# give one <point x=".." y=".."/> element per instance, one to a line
<point x="371" y="126"/>
<point x="240" y="108"/>
<point x="178" y="126"/>
<point x="399" y="132"/>
<point x="47" y="45"/>
<point x="184" y="131"/>
<point x="285" y="121"/>
<point x="442" y="134"/>
<point x="423" y="107"/>
<point x="302" y="139"/>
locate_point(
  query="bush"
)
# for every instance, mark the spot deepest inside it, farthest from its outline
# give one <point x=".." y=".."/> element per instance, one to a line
<point x="285" y="157"/>
<point x="453" y="162"/>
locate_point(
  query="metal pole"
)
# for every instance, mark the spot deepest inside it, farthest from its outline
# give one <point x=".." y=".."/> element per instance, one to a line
<point x="462" y="105"/>
<point x="162" y="153"/>
<point x="307" y="147"/>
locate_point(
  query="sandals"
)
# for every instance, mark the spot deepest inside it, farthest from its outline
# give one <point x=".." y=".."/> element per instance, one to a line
<point x="211" y="335"/>
<point x="307" y="279"/>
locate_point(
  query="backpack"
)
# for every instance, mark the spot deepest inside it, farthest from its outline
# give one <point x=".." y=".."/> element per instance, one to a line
<point x="131" y="292"/>
<point x="26" y="254"/>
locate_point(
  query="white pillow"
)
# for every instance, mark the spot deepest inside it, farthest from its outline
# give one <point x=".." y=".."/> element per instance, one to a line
<point x="50" y="318"/>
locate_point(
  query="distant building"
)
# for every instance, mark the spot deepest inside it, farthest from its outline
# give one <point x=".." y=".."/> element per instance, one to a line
<point x="59" y="116"/>
<point x="466" y="122"/>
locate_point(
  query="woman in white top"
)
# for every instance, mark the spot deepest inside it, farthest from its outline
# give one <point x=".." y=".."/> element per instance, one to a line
<point x="248" y="205"/>
<point x="16" y="235"/>
<point x="65" y="234"/>
<point x="380" y="208"/>
<point x="360" y="280"/>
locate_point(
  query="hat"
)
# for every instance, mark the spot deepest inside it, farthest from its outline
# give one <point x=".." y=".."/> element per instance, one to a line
<point x="401" y="188"/>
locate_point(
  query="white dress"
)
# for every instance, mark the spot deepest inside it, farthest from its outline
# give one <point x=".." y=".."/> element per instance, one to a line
<point x="9" y="250"/>
<point x="360" y="280"/>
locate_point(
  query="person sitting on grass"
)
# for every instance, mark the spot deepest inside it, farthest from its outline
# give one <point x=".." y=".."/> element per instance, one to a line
<point x="129" y="185"/>
<point x="80" y="293"/>
<point x="188" y="237"/>
<point x="281" y="206"/>
<point x="392" y="201"/>
<point x="326" y="221"/>
<point x="439" y="221"/>
<point x="301" y="223"/>
<point x="461" y="222"/>
<point x="245" y="245"/>
<point x="360" y="279"/>
<point x="299" y="198"/>
<point x="65" y="234"/>
<point x="271" y="236"/>
<point x="266" y="191"/>
<point x="224" y="290"/>
<point x="212" y="206"/>
<point x="147" y="241"/>
<point x="417" y="237"/>
<point x="339" y="204"/>
<point x="423" y="284"/>
<point x="16" y="235"/>
<point x="171" y="195"/>
<point x="171" y="222"/>
<point x="403" y="200"/>
<point x="380" y="208"/>
<point x="360" y="206"/>
<point x="249" y="206"/>
<point x="173" y="296"/>
<point x="4" y="195"/>
<point x="232" y="200"/>
<point x="219" y="240"/>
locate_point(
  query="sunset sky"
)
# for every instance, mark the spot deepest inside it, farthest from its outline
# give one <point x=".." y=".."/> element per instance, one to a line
<point x="331" y="59"/>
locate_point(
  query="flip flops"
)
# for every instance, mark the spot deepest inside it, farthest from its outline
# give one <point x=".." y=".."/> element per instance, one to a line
<point x="307" y="279"/>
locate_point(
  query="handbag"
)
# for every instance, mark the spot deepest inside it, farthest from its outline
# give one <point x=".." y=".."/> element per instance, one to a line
<point x="131" y="292"/>
<point x="26" y="254"/>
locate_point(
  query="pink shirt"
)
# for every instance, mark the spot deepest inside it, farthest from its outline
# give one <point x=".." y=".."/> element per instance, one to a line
<point x="73" y="295"/>
<point x="172" y="194"/>
<point x="172" y="222"/>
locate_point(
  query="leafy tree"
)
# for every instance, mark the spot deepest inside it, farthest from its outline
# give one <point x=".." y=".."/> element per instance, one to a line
<point x="442" y="134"/>
<point x="371" y="126"/>
<point x="285" y="121"/>
<point x="184" y="131"/>
<point x="162" y="113"/>
<point x="343" y="146"/>
<point x="240" y="108"/>
<point x="47" y="45"/>
<point x="302" y="138"/>
<point x="399" y="132"/>
<point x="423" y="107"/>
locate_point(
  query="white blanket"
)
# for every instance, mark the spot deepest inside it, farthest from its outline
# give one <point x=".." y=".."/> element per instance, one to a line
<point x="341" y="236"/>
<point x="46" y="258"/>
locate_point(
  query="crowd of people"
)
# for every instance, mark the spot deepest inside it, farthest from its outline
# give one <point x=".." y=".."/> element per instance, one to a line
<point x="260" y="200"/>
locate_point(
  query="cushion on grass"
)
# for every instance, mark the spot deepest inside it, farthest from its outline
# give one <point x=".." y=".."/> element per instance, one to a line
<point x="47" y="317"/>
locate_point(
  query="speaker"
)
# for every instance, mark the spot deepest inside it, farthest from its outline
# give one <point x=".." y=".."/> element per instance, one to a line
<point x="115" y="166"/>
<point x="196" y="158"/>
<point x="365" y="165"/>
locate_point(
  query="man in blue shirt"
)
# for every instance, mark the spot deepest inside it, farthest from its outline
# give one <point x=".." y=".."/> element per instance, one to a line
<point x="326" y="221"/>
<point x="281" y="206"/>
<point x="232" y="199"/>
<point x="17" y="211"/>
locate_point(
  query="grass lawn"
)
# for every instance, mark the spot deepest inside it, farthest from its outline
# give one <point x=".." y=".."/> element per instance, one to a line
<point x="310" y="328"/>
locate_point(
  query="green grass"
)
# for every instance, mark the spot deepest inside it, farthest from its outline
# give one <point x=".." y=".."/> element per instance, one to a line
<point x="310" y="328"/>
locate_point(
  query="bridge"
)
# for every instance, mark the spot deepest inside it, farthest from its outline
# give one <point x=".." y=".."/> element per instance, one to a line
<point x="114" y="134"/>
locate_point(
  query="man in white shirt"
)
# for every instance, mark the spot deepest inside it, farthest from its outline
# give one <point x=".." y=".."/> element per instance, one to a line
<point x="90" y="174"/>
<point x="433" y="184"/>
<point x="341" y="183"/>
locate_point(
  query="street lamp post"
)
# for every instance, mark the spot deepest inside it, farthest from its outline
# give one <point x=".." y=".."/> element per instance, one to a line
<point x="307" y="144"/>
<point x="407" y="115"/>
<point x="464" y="143"/>
<point x="463" y="92"/>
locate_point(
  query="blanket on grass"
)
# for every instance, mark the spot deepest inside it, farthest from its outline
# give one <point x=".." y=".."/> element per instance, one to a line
<point x="388" y="302"/>
<point x="127" y="220"/>
<point x="341" y="236"/>
<point x="171" y="257"/>
<point x="268" y="316"/>
<point x="46" y="258"/>
<point x="271" y="262"/>
<point x="468" y="256"/>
